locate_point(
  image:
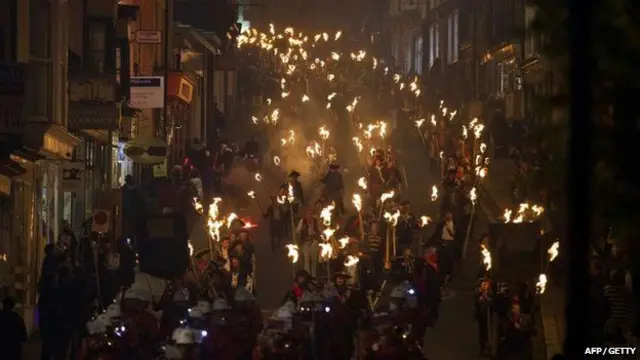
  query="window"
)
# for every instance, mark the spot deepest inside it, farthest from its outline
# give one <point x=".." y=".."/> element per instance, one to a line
<point x="452" y="37"/>
<point x="434" y="43"/>
<point x="418" y="51"/>
<point x="97" y="45"/>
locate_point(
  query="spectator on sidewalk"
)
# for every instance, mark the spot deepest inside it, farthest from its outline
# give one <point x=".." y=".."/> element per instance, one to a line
<point x="13" y="332"/>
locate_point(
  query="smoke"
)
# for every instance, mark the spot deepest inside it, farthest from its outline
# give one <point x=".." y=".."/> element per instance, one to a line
<point x="297" y="135"/>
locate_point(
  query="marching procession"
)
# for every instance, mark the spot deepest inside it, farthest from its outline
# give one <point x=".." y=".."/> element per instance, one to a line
<point x="328" y="124"/>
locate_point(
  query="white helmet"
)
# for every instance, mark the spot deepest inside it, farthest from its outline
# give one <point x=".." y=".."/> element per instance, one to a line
<point x="195" y="313"/>
<point x="183" y="336"/>
<point x="220" y="304"/>
<point x="242" y="294"/>
<point x="113" y="311"/>
<point x="96" y="326"/>
<point x="204" y="307"/>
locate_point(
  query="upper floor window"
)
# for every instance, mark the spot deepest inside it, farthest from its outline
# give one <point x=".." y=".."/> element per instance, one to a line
<point x="97" y="45"/>
<point x="434" y="44"/>
<point x="452" y="37"/>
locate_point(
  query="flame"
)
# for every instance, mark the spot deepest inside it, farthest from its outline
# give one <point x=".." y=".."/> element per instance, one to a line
<point x="483" y="148"/>
<point x="507" y="215"/>
<point x="486" y="257"/>
<point x="190" y="248"/>
<point x="392" y="218"/>
<point x="386" y="196"/>
<point x="197" y="206"/>
<point x="351" y="261"/>
<point x="254" y="120"/>
<point x="434" y="193"/>
<point x="293" y="254"/>
<point x="305" y="98"/>
<point x="553" y="251"/>
<point x="258" y="177"/>
<point x="473" y="196"/>
<point x="326" y="251"/>
<point x="541" y="285"/>
<point x="230" y="219"/>
<point x="344" y="242"/>
<point x="477" y="130"/>
<point x="362" y="183"/>
<point x="325" y="214"/>
<point x="357" y="143"/>
<point x="357" y="201"/>
<point x="251" y="194"/>
<point x="276" y="160"/>
<point x="291" y="194"/>
<point x="328" y="233"/>
<point x="424" y="220"/>
<point x="324" y="133"/>
<point x="419" y="123"/>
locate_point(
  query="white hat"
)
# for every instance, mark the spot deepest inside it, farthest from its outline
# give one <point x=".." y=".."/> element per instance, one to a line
<point x="204" y="307"/>
<point x="183" y="336"/>
<point x="96" y="326"/>
<point x="195" y="313"/>
<point x="113" y="311"/>
<point x="220" y="304"/>
<point x="242" y="294"/>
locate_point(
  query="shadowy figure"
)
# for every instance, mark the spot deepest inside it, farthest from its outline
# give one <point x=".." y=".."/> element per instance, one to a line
<point x="13" y="332"/>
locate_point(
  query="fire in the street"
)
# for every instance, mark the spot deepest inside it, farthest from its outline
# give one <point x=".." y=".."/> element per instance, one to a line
<point x="554" y="251"/>
<point x="541" y="285"/>
<point x="486" y="257"/>
<point x="326" y="250"/>
<point x="425" y="220"/>
<point x="343" y="242"/>
<point x="326" y="214"/>
<point x="525" y="212"/>
<point x="351" y="261"/>
<point x="357" y="201"/>
<point x="293" y="254"/>
<point x="362" y="183"/>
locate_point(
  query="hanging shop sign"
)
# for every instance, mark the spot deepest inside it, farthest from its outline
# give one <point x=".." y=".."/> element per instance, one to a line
<point x="93" y="116"/>
<point x="146" y="92"/>
<point x="146" y="150"/>
<point x="92" y="102"/>
<point x="72" y="176"/>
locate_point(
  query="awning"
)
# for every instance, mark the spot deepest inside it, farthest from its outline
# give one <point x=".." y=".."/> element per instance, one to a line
<point x="11" y="168"/>
<point x="50" y="140"/>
